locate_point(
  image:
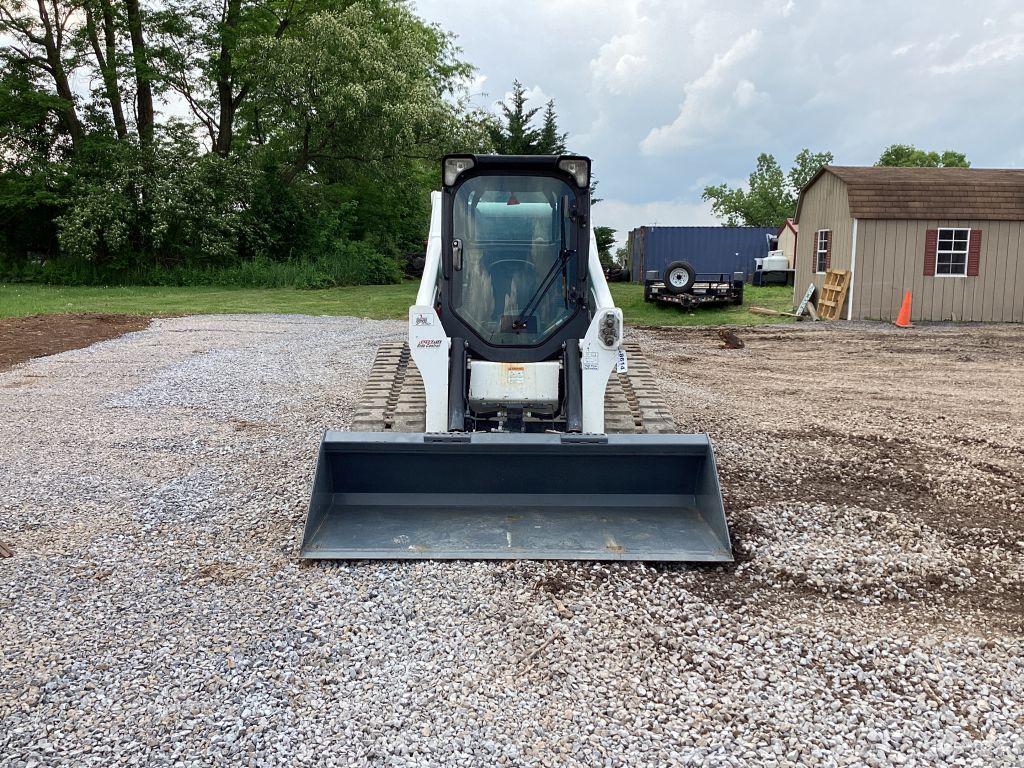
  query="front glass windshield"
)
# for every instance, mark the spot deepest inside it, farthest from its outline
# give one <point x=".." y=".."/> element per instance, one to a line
<point x="517" y="277"/>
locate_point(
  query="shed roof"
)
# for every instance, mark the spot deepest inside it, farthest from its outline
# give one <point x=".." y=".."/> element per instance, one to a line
<point x="994" y="194"/>
<point x="789" y="224"/>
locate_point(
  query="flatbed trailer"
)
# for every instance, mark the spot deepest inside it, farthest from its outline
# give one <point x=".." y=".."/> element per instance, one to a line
<point x="706" y="290"/>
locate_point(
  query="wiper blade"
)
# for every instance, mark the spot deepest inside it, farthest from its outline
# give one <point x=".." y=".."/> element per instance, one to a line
<point x="553" y="270"/>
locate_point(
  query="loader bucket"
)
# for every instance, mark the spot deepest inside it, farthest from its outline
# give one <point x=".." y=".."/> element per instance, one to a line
<point x="396" y="495"/>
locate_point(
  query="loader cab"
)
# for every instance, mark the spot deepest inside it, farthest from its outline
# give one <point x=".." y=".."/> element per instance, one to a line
<point x="515" y="244"/>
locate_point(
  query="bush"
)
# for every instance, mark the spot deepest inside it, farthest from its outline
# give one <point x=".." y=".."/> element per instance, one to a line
<point x="172" y="216"/>
<point x="346" y="263"/>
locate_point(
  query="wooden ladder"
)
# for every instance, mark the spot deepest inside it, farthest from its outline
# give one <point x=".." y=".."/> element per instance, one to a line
<point x="833" y="293"/>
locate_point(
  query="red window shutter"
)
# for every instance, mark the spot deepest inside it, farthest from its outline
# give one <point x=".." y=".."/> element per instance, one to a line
<point x="931" y="245"/>
<point x="974" y="253"/>
<point x="828" y="250"/>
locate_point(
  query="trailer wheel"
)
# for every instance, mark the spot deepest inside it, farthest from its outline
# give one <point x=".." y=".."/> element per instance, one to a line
<point x="679" y="277"/>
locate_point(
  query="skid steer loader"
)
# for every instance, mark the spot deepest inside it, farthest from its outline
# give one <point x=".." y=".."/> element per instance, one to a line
<point x="515" y="423"/>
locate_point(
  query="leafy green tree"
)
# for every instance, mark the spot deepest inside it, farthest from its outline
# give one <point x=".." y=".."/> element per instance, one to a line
<point x="323" y="124"/>
<point x="621" y="256"/>
<point x="605" y="240"/>
<point x="33" y="147"/>
<point x="35" y="40"/>
<point x="909" y="156"/>
<point x="805" y="165"/>
<point x="360" y="100"/>
<point x="770" y="196"/>
<point x="102" y="32"/>
<point x="203" y="50"/>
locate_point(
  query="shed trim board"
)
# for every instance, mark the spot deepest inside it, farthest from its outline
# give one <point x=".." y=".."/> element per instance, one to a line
<point x="853" y="273"/>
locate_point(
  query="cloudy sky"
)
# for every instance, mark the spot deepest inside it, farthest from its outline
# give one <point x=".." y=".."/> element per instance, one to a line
<point x="669" y="95"/>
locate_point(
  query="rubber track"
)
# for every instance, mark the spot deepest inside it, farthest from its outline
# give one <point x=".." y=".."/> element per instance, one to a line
<point x="394" y="400"/>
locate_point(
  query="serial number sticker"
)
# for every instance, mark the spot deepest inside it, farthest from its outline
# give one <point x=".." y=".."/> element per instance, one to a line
<point x="620" y="361"/>
<point x="423" y="318"/>
<point x="590" y="361"/>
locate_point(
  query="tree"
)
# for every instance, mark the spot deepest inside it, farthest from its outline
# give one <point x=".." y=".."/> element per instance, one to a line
<point x="805" y="165"/>
<point x="770" y="196"/>
<point x="31" y="139"/>
<point x="100" y="20"/>
<point x="357" y="92"/>
<point x="145" y="115"/>
<point x="38" y="41"/>
<point x="605" y="240"/>
<point x="204" y="52"/>
<point x="909" y="156"/>
<point x="324" y="122"/>
<point x="621" y="256"/>
<point x="512" y="133"/>
<point x="551" y="142"/>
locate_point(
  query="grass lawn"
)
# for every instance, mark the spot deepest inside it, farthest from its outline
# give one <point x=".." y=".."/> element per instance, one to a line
<point x="376" y="301"/>
<point x="630" y="299"/>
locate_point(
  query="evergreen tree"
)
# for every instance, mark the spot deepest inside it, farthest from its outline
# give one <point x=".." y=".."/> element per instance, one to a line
<point x="551" y="141"/>
<point x="515" y="134"/>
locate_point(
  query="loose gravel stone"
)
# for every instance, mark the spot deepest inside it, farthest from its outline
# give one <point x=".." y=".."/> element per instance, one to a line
<point x="153" y="489"/>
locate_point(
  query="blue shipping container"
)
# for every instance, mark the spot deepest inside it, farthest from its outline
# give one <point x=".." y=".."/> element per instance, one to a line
<point x="710" y="250"/>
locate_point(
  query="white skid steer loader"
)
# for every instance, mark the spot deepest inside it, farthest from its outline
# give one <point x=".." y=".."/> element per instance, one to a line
<point x="513" y="424"/>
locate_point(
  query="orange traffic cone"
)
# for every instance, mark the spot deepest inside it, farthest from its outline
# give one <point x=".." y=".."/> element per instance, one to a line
<point x="903" y="321"/>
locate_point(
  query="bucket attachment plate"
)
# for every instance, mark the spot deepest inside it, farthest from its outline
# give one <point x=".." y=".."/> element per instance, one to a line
<point x="392" y="495"/>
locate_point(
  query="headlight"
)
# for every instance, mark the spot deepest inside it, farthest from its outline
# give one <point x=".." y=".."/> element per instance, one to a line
<point x="454" y="167"/>
<point x="579" y="168"/>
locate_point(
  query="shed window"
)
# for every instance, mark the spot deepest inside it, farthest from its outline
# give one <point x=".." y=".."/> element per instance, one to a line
<point x="821" y="250"/>
<point x="951" y="253"/>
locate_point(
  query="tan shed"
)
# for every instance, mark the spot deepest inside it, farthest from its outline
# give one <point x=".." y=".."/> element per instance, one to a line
<point x="787" y="240"/>
<point x="953" y="237"/>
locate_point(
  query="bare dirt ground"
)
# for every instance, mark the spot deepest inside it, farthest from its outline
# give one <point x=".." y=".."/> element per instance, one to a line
<point x="153" y="489"/>
<point x="22" y="338"/>
<point x="919" y="429"/>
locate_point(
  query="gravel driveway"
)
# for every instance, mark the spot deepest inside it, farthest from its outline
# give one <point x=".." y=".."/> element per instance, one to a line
<point x="153" y="489"/>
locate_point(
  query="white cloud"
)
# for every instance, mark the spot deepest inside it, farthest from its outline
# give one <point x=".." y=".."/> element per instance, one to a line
<point x="745" y="93"/>
<point x="941" y="42"/>
<point x="998" y="51"/>
<point x="715" y="97"/>
<point x="623" y="216"/>
<point x="682" y="78"/>
<point x="623" y="62"/>
<point x="782" y="7"/>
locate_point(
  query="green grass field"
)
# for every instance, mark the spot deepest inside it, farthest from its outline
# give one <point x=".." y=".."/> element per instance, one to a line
<point x="375" y="301"/>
